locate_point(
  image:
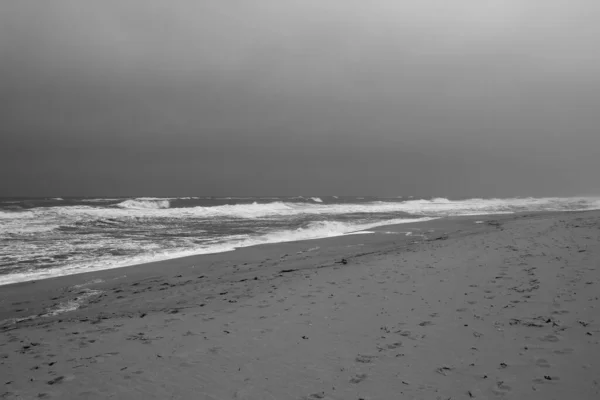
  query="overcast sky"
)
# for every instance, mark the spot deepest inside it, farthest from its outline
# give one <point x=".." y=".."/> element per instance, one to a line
<point x="300" y="97"/>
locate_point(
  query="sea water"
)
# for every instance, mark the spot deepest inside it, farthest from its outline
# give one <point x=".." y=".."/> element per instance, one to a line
<point x="42" y="238"/>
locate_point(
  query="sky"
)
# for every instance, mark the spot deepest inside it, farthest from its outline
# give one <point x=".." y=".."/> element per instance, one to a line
<point x="463" y="98"/>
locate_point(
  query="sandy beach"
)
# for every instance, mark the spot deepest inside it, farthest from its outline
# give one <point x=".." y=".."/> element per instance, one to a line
<point x="504" y="306"/>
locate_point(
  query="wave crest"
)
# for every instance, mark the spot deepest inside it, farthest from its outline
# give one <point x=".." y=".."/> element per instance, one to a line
<point x="437" y="207"/>
<point x="145" y="203"/>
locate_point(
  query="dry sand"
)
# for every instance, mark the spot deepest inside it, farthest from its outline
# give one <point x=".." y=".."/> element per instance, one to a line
<point x="508" y="308"/>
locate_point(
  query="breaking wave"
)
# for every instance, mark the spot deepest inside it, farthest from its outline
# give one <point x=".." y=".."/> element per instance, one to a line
<point x="145" y="203"/>
<point x="69" y="238"/>
<point x="437" y="207"/>
<point x="446" y="207"/>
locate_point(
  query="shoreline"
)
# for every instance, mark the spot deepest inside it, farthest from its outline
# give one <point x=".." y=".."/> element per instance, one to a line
<point x="378" y="228"/>
<point x="362" y="315"/>
<point x="256" y="254"/>
<point x="99" y="269"/>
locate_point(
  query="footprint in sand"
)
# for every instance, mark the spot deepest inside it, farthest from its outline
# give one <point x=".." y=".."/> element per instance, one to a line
<point x="407" y="334"/>
<point x="567" y="350"/>
<point x="546" y="379"/>
<point x="315" y="396"/>
<point x="500" y="388"/>
<point x="390" y="346"/>
<point x="550" y="338"/>
<point x="444" y="370"/>
<point x="364" y="358"/>
<point x="246" y="393"/>
<point x="358" y="378"/>
<point x="542" y="363"/>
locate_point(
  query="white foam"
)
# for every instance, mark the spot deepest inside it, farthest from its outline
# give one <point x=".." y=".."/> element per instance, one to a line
<point x="99" y="200"/>
<point x="316" y="199"/>
<point x="24" y="223"/>
<point x="73" y="304"/>
<point x="67" y="306"/>
<point x="40" y="220"/>
<point x="145" y="203"/>
<point x="315" y="230"/>
<point x="439" y="207"/>
<point x="92" y="282"/>
<point x="445" y="207"/>
<point x="16" y="214"/>
<point x="324" y="229"/>
<point x="33" y="226"/>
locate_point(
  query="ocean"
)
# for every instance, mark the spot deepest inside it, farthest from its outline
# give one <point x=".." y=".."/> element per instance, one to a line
<point x="47" y="237"/>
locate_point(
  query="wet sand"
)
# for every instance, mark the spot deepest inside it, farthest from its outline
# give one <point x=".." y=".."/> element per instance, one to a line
<point x="505" y="308"/>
